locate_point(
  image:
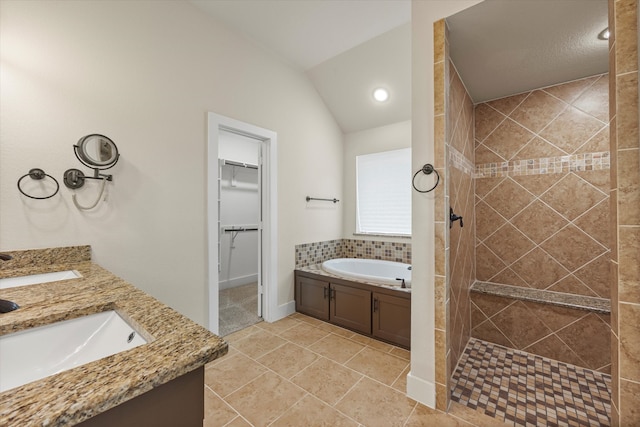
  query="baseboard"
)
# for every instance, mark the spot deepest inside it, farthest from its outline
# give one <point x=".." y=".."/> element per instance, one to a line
<point x="282" y="311"/>
<point x="421" y="390"/>
<point x="237" y="281"/>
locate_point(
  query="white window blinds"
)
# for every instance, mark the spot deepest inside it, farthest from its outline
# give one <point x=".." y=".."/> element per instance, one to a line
<point x="383" y="192"/>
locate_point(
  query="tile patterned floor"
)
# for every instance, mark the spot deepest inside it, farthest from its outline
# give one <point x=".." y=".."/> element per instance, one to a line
<point x="528" y="390"/>
<point x="238" y="308"/>
<point x="302" y="372"/>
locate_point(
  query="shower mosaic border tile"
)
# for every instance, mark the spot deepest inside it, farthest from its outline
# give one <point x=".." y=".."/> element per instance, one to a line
<point x="545" y="165"/>
<point x="460" y="162"/>
<point x="307" y="254"/>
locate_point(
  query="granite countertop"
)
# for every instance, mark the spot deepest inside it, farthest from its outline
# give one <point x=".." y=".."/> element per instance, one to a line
<point x="317" y="269"/>
<point x="176" y="345"/>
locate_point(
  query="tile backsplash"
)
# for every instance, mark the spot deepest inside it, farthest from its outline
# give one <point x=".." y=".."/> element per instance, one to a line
<point x="317" y="252"/>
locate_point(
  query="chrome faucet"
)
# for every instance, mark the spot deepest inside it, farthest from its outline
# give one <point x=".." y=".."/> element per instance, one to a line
<point x="5" y="257"/>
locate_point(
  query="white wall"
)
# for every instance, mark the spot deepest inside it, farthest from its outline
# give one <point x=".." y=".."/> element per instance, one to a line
<point x="375" y="140"/>
<point x="239" y="206"/>
<point x="146" y="74"/>
<point x="421" y="380"/>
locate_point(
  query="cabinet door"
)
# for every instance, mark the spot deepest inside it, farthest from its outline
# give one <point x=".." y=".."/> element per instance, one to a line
<point x="392" y="319"/>
<point x="312" y="297"/>
<point x="351" y="308"/>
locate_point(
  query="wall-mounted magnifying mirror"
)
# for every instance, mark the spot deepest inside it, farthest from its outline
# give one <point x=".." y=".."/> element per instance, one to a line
<point x="97" y="151"/>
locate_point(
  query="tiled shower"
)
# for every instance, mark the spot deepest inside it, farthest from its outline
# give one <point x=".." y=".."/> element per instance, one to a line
<point x="532" y="176"/>
<point x="542" y="208"/>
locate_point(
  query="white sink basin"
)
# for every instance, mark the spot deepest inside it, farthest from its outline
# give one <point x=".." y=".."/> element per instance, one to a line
<point x="12" y="282"/>
<point x="36" y="353"/>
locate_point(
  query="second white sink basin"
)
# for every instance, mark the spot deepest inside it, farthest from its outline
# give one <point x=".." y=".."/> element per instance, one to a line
<point x="12" y="282"/>
<point x="37" y="353"/>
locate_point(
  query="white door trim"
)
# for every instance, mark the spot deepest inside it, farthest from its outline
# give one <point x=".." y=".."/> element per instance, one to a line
<point x="269" y="249"/>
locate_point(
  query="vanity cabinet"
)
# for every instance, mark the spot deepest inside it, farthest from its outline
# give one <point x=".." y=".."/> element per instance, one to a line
<point x="380" y="313"/>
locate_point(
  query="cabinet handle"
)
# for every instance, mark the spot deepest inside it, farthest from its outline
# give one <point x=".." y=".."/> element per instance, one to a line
<point x="326" y="291"/>
<point x="375" y="304"/>
<point x="333" y="294"/>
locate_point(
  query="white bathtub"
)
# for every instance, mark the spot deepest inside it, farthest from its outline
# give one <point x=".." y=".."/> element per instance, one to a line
<point x="370" y="270"/>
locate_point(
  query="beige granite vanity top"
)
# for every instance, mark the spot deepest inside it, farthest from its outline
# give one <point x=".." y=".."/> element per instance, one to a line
<point x="176" y="344"/>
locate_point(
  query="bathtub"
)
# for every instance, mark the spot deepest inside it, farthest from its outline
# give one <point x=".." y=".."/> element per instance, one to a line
<point x="370" y="270"/>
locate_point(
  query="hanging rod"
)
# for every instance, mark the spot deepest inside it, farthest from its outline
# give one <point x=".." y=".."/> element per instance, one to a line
<point x="334" y="200"/>
<point x="239" y="228"/>
<point x="240" y="164"/>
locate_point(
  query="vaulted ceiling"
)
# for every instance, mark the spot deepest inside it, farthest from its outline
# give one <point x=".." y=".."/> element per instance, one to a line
<point x="348" y="48"/>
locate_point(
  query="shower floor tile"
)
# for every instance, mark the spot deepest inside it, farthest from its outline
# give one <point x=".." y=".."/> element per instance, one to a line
<point x="528" y="390"/>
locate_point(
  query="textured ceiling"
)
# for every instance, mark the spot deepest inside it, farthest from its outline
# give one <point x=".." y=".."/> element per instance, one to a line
<point x="504" y="47"/>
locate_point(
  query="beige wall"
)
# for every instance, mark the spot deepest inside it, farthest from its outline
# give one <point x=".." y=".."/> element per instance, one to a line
<point x="375" y="140"/>
<point x="146" y="74"/>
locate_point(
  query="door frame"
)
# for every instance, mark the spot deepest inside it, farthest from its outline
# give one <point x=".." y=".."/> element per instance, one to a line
<point x="269" y="242"/>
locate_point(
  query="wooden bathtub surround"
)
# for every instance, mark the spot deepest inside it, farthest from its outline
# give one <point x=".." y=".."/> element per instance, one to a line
<point x="123" y="387"/>
<point x="381" y="312"/>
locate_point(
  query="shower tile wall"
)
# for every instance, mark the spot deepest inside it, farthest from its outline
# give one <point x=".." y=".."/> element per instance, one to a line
<point x="625" y="213"/>
<point x="542" y="214"/>
<point x="569" y="335"/>
<point x="317" y="252"/>
<point x="454" y="247"/>
<point x="460" y="187"/>
<point x="442" y="300"/>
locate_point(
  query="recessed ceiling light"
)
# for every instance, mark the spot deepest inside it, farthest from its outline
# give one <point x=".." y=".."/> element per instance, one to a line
<point x="380" y="94"/>
<point x="604" y="34"/>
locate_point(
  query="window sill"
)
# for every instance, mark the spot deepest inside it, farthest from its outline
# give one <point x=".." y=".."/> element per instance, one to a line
<point x="400" y="236"/>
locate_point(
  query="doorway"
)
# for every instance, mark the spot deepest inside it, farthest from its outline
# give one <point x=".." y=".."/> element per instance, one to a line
<point x="239" y="284"/>
<point x="241" y="224"/>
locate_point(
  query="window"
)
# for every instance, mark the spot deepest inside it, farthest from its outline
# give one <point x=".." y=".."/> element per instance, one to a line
<point x="383" y="192"/>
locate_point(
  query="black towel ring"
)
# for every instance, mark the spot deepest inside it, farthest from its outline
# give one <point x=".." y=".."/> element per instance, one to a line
<point x="38" y="174"/>
<point x="427" y="169"/>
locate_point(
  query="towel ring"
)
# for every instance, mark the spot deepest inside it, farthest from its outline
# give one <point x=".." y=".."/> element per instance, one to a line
<point x="427" y="169"/>
<point x="38" y="174"/>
